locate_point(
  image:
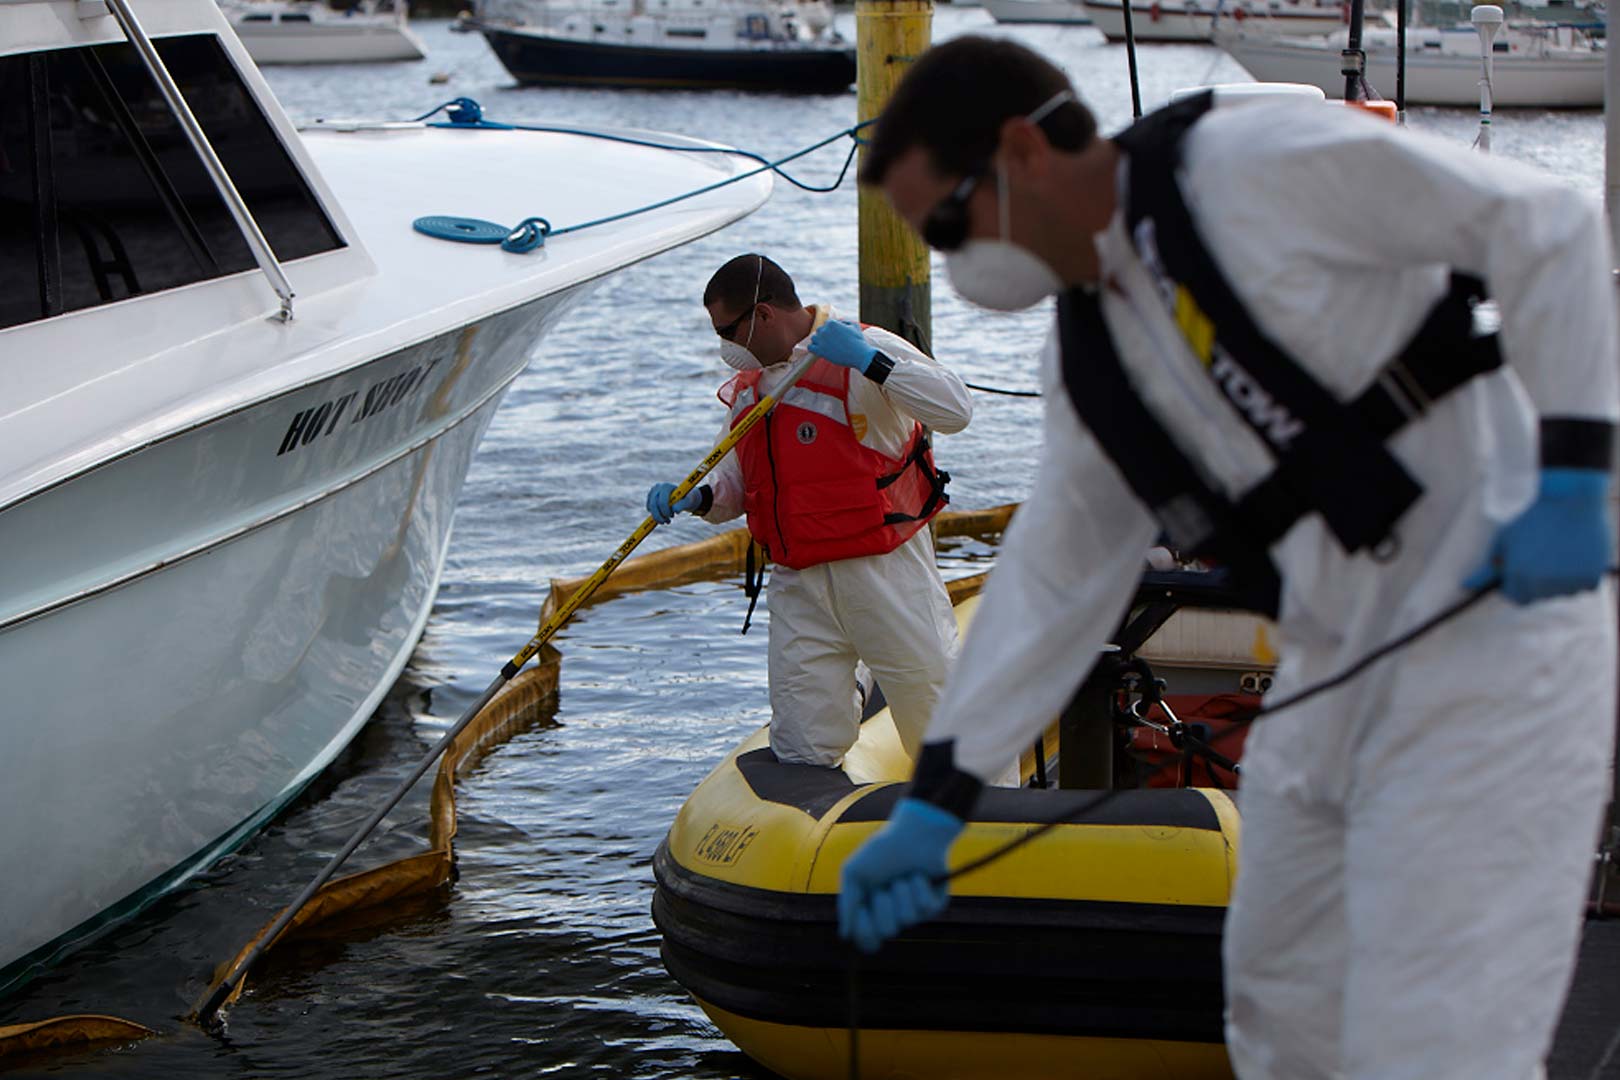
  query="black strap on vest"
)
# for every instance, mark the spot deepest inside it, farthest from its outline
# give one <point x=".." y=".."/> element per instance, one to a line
<point x="753" y="579"/>
<point x="1197" y="519"/>
<point x="1336" y="463"/>
<point x="1431" y="366"/>
<point x="937" y="479"/>
<point x="1332" y="463"/>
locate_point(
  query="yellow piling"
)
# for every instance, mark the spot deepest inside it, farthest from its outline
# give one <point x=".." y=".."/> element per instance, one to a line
<point x="889" y="35"/>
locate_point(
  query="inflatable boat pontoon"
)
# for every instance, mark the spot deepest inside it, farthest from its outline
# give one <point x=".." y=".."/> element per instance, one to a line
<point x="1093" y="951"/>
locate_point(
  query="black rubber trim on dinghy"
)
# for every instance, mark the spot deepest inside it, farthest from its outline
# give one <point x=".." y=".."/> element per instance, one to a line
<point x="1177" y="808"/>
<point x="1119" y="970"/>
<point x="816" y="790"/>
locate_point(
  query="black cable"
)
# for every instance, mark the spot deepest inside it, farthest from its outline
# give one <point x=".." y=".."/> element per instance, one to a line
<point x="1102" y="797"/>
<point x="1401" y="642"/>
<point x="998" y="390"/>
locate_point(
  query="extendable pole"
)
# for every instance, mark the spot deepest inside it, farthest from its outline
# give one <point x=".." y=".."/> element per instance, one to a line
<point x="257" y="244"/>
<point x="212" y="1003"/>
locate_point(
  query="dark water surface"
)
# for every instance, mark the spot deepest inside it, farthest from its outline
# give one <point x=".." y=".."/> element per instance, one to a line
<point x="542" y="960"/>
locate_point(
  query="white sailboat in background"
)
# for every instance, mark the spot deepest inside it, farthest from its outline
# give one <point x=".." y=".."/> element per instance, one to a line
<point x="238" y="398"/>
<point x="1538" y="65"/>
<point x="1165" y="21"/>
<point x="1065" y="12"/>
<point x="310" y="32"/>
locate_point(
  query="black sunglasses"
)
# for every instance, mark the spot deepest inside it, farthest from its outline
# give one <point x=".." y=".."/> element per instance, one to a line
<point x="946" y="226"/>
<point x="730" y="328"/>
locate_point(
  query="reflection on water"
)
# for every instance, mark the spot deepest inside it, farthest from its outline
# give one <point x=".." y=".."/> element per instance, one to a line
<point x="542" y="959"/>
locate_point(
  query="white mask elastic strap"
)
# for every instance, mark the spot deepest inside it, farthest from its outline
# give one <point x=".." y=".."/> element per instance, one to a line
<point x="1003" y="201"/>
<point x="1051" y="105"/>
<point x="753" y="309"/>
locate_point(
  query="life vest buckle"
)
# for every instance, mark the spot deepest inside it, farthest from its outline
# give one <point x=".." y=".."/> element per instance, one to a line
<point x="1404" y="390"/>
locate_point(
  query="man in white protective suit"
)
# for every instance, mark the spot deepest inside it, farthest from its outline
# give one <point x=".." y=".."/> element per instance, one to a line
<point x="839" y="485"/>
<point x="1266" y="347"/>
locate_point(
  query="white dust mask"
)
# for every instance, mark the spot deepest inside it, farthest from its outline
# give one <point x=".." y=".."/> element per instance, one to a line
<point x="999" y="274"/>
<point x="737" y="357"/>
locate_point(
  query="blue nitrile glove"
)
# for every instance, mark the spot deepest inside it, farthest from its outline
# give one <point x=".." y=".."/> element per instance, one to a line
<point x="842" y="343"/>
<point x="890" y="882"/>
<point x="1560" y="545"/>
<point x="658" y="502"/>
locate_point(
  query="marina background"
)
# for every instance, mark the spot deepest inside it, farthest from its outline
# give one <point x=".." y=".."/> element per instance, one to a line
<point x="542" y="960"/>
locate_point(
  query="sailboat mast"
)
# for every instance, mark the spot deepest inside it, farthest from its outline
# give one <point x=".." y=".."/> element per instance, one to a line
<point x="1354" y="60"/>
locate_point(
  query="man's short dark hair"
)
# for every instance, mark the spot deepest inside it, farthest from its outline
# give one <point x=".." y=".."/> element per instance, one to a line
<point x="954" y="100"/>
<point x="733" y="284"/>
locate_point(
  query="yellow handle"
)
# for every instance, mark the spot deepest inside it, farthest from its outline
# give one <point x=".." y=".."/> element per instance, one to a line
<point x="760" y="410"/>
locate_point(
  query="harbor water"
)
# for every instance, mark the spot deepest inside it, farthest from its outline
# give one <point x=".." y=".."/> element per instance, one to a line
<point x="542" y="959"/>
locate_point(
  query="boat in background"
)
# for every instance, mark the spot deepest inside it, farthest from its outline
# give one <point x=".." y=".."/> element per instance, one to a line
<point x="769" y="45"/>
<point x="1063" y="12"/>
<point x="1533" y="65"/>
<point x="225" y="507"/>
<point x="1163" y="21"/>
<point x="310" y="32"/>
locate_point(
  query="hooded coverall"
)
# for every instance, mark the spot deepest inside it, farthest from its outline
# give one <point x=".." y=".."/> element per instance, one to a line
<point x="890" y="611"/>
<point x="1416" y="843"/>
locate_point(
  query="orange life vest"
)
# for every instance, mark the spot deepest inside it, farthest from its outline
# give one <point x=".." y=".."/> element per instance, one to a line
<point x="815" y="494"/>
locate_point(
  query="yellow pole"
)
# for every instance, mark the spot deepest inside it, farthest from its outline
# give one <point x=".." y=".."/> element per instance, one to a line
<point x="889" y="35"/>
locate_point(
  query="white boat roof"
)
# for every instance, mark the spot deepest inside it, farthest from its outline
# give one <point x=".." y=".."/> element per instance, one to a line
<point x="124" y="374"/>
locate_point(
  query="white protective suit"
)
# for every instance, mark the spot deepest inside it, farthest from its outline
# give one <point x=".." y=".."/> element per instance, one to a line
<point x="1416" y="843"/>
<point x="890" y="611"/>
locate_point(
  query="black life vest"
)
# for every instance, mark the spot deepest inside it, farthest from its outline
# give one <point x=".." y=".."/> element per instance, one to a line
<point x="1331" y="455"/>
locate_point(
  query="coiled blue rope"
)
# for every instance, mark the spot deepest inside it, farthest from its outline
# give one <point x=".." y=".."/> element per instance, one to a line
<point x="533" y="232"/>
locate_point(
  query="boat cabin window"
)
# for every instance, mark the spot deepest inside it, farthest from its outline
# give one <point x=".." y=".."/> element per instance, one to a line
<point x="685" y="32"/>
<point x="291" y="17"/>
<point x="257" y="18"/>
<point x="101" y="196"/>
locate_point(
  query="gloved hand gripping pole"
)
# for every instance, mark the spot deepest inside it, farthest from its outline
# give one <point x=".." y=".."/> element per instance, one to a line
<point x="210" y="1006"/>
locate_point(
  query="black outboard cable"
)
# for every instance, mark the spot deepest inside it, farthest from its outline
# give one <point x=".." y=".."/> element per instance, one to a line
<point x="999" y="390"/>
<point x="1432" y="623"/>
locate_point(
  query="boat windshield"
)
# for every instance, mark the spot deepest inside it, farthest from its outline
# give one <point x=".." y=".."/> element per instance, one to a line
<point x="103" y="198"/>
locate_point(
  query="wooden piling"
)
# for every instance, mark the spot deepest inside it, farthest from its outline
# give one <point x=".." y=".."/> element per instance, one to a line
<point x="889" y="35"/>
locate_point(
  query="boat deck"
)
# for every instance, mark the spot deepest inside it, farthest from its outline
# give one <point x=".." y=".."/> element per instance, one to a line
<point x="1587" y="1045"/>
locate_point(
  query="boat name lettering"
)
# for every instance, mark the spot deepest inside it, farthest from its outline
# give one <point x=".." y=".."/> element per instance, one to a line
<point x="319" y="420"/>
<point x="725" y="844"/>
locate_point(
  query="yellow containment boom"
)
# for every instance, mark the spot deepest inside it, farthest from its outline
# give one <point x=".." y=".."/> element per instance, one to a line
<point x="67" y="1033"/>
<point x="226" y="987"/>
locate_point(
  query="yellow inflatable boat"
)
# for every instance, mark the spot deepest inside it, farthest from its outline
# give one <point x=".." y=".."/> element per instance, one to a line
<point x="1093" y="951"/>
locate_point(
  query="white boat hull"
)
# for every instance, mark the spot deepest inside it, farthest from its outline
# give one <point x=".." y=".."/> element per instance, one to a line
<point x="1539" y="82"/>
<point x="224" y="642"/>
<point x="222" y="530"/>
<point x="1067" y="12"/>
<point x="330" y="42"/>
<point x="1178" y="22"/>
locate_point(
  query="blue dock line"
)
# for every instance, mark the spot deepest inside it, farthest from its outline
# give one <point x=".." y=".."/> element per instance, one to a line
<point x="532" y="232"/>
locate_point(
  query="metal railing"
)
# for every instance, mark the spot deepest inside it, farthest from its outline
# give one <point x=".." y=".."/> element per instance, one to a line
<point x="262" y="254"/>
